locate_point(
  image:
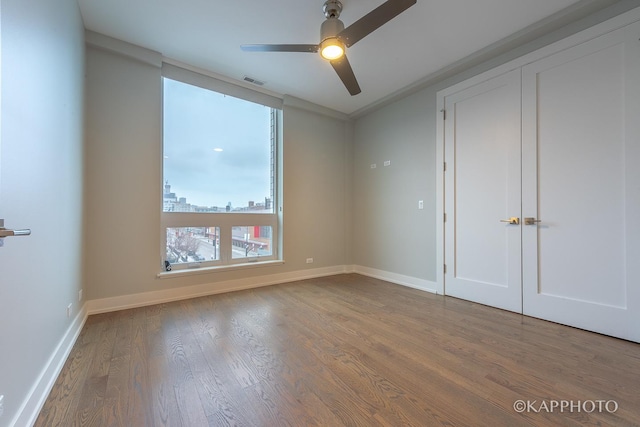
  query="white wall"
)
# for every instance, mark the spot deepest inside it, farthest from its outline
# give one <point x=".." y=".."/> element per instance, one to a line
<point x="124" y="186"/>
<point x="41" y="175"/>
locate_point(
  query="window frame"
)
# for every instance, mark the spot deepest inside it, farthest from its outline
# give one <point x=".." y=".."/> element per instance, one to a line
<point x="225" y="221"/>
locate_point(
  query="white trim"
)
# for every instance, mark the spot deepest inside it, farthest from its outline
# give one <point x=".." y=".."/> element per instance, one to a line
<point x="206" y="81"/>
<point x="439" y="168"/>
<point x="301" y="104"/>
<point x="30" y="408"/>
<point x="398" y="279"/>
<point x="119" y="47"/>
<point x="566" y="43"/>
<point x="217" y="76"/>
<point x="576" y="18"/>
<point x="217" y="268"/>
<point x="176" y="294"/>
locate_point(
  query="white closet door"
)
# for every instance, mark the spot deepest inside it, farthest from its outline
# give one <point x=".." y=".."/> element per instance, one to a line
<point x="482" y="187"/>
<point x="581" y="180"/>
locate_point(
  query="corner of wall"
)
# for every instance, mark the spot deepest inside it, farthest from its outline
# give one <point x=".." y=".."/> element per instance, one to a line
<point x="398" y="279"/>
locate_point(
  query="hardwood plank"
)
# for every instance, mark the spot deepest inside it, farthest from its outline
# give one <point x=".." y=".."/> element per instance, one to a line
<point x="290" y="375"/>
<point x="441" y="398"/>
<point x="161" y="368"/>
<point x="337" y="351"/>
<point x="139" y="411"/>
<point x="116" y="402"/>
<point x="90" y="408"/>
<point x="67" y="391"/>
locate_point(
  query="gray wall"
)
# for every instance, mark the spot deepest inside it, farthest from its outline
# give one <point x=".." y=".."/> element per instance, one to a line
<point x="42" y="140"/>
<point x="337" y="209"/>
<point x="390" y="232"/>
<point x="317" y="193"/>
<point x="123" y="184"/>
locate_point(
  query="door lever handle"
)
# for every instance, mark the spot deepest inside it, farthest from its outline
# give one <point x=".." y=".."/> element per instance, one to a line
<point x="9" y="233"/>
<point x="531" y="221"/>
<point x="514" y="220"/>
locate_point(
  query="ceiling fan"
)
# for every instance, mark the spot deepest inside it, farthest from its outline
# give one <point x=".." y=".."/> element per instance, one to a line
<point x="334" y="37"/>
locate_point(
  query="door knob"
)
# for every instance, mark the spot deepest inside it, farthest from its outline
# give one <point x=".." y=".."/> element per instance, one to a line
<point x="531" y="221"/>
<point x="514" y="220"/>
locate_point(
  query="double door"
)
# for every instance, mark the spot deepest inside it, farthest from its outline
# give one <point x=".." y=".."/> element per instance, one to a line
<point x="542" y="187"/>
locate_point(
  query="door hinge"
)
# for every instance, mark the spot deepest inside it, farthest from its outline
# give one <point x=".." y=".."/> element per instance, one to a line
<point x="444" y="114"/>
<point x="444" y="168"/>
<point x="445" y="268"/>
<point x="444" y="219"/>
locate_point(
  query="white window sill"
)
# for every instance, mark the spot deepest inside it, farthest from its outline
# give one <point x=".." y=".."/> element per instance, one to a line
<point x="216" y="269"/>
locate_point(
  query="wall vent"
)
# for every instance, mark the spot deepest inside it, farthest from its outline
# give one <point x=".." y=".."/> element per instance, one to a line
<point x="252" y="80"/>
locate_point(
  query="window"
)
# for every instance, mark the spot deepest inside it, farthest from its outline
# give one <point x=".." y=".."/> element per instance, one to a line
<point x="220" y="176"/>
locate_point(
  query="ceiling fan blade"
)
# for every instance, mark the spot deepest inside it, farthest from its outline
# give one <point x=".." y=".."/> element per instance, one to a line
<point x="343" y="68"/>
<point x="373" y="20"/>
<point x="312" y="48"/>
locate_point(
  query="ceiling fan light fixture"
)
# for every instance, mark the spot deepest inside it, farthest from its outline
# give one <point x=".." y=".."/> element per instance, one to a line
<point x="331" y="49"/>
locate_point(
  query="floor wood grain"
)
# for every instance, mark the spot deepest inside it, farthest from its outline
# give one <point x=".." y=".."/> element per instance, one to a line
<point x="344" y="350"/>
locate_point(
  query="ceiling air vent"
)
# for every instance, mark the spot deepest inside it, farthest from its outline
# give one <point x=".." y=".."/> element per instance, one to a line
<point x="252" y="80"/>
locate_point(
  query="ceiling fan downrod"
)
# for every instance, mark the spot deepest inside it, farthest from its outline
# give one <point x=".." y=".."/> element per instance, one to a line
<point x="332" y="9"/>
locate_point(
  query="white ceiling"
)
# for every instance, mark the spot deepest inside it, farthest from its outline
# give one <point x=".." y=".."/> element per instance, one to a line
<point x="207" y="34"/>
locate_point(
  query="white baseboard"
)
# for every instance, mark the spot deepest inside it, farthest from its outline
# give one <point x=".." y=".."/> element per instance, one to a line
<point x="28" y="412"/>
<point x="176" y="294"/>
<point x="168" y="295"/>
<point x="399" y="279"/>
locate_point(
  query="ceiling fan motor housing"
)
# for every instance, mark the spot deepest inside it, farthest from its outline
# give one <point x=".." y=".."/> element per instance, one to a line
<point x="330" y="28"/>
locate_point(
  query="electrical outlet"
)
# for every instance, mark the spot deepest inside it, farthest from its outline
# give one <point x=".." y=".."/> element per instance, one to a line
<point x="80" y="295"/>
<point x="420" y="204"/>
<point x="69" y="310"/>
<point x="309" y="260"/>
<point x="387" y="162"/>
<point x="1" y="404"/>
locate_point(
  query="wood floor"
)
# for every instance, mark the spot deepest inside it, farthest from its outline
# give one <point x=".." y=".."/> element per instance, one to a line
<point x="344" y="350"/>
